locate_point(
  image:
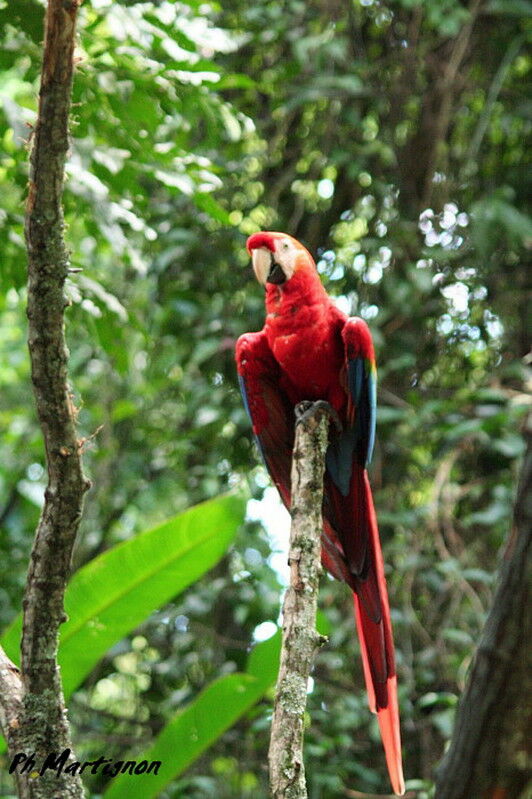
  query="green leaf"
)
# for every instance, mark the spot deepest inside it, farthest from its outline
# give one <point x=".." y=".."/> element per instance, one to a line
<point x="440" y="699"/>
<point x="202" y="722"/>
<point x="478" y="576"/>
<point x="25" y="15"/>
<point x="458" y="637"/>
<point x="236" y="81"/>
<point x="511" y="446"/>
<point x="494" y="513"/>
<point x="387" y="414"/>
<point x="495" y="222"/>
<point x="116" y="591"/>
<point x="323" y="624"/>
<point x="207" y="203"/>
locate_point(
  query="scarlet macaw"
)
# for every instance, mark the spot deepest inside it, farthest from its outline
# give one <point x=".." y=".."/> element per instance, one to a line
<point x="309" y="350"/>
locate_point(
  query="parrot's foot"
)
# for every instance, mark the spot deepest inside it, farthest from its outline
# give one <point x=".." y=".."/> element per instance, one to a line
<point x="306" y="409"/>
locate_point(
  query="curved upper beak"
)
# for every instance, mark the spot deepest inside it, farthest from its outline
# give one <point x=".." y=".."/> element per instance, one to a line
<point x="260" y="260"/>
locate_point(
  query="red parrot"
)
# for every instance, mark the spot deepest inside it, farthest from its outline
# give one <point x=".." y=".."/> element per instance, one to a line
<point x="309" y="350"/>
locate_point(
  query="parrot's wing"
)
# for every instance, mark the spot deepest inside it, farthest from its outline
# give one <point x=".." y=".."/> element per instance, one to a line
<point x="270" y="400"/>
<point x="349" y="452"/>
<point x="270" y="410"/>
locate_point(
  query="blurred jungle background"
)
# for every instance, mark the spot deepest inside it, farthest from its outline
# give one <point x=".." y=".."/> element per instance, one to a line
<point x="390" y="137"/>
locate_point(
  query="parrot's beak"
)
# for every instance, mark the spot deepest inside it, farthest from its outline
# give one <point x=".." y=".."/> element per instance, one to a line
<point x="266" y="268"/>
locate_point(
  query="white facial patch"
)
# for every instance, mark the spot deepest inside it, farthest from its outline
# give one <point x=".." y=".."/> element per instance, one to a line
<point x="285" y="255"/>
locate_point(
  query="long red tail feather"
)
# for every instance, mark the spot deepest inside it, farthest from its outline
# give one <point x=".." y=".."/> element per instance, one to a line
<point x="376" y="646"/>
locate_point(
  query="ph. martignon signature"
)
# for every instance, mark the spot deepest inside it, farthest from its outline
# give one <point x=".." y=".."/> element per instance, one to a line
<point x="64" y="763"/>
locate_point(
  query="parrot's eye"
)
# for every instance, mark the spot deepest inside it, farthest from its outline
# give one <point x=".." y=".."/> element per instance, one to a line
<point x="285" y="245"/>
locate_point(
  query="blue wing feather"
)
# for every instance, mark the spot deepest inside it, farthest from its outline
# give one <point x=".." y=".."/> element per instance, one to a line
<point x="372" y="403"/>
<point x="356" y="442"/>
<point x="362" y="386"/>
<point x="339" y="458"/>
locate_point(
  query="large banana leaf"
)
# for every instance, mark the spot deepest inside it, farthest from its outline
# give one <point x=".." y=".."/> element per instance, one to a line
<point x="116" y="591"/>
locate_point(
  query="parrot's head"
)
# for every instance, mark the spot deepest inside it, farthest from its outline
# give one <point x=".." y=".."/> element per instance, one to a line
<point x="276" y="257"/>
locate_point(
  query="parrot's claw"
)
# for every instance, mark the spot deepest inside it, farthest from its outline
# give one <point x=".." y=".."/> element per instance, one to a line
<point x="305" y="409"/>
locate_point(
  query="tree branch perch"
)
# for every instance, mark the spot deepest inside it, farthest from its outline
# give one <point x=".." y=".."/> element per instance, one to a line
<point x="300" y="639"/>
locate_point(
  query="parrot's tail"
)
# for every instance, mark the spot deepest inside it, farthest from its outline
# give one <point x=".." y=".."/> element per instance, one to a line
<point x="378" y="659"/>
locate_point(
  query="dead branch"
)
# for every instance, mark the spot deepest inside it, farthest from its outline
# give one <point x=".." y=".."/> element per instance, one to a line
<point x="300" y="639"/>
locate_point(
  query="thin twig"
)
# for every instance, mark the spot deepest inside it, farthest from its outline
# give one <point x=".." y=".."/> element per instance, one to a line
<point x="300" y="639"/>
<point x="441" y="511"/>
<point x="494" y="90"/>
<point x="47" y="270"/>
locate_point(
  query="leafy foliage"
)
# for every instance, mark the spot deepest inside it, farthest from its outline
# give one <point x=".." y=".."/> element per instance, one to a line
<point x="108" y="597"/>
<point x="391" y="137"/>
<point x="203" y="720"/>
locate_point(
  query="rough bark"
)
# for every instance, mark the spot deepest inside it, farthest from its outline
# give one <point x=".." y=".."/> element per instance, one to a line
<point x="33" y="711"/>
<point x="300" y="639"/>
<point x="487" y="758"/>
<point x="11" y="707"/>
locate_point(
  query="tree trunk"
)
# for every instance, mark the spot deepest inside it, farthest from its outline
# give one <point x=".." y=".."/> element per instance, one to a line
<point x="487" y="758"/>
<point x="33" y="712"/>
